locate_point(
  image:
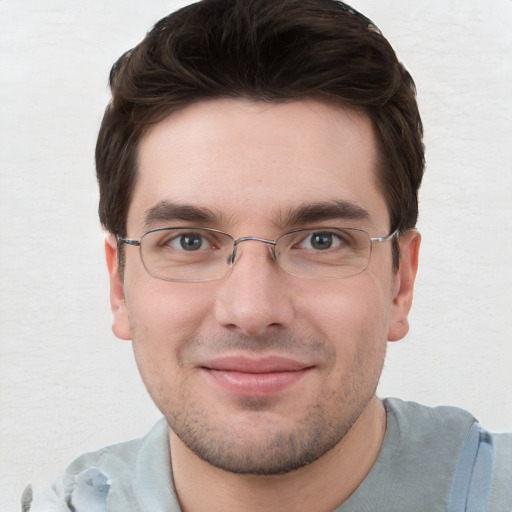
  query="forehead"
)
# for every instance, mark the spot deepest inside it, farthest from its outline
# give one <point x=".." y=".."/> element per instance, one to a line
<point x="248" y="161"/>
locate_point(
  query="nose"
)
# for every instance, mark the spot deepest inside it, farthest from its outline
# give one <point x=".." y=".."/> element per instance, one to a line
<point x="254" y="297"/>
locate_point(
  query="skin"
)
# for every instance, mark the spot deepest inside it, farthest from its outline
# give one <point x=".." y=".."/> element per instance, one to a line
<point x="309" y="445"/>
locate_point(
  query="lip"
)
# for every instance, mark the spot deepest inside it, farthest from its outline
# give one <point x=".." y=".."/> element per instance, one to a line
<point x="265" y="376"/>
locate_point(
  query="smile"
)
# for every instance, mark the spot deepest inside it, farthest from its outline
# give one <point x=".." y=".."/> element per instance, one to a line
<point x="243" y="376"/>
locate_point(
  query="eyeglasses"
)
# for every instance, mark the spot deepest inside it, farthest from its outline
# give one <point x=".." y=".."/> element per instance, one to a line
<point x="192" y="254"/>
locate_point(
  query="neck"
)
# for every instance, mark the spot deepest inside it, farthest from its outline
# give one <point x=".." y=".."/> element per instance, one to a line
<point x="322" y="485"/>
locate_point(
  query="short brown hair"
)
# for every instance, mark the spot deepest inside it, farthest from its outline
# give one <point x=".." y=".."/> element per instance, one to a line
<point x="264" y="50"/>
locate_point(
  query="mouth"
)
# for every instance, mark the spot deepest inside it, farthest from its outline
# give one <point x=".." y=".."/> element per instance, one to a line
<point x="266" y="376"/>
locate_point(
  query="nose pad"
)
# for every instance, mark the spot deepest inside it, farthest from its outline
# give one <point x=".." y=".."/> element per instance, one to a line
<point x="232" y="256"/>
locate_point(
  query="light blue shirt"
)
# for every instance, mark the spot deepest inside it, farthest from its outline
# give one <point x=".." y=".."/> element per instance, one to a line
<point x="432" y="459"/>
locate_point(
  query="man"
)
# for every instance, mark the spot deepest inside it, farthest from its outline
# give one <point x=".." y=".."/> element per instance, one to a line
<point x="259" y="167"/>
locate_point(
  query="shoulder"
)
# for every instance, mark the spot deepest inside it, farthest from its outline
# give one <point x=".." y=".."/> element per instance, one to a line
<point x="431" y="417"/>
<point x="416" y="425"/>
<point x="500" y="494"/>
<point x="111" y="472"/>
<point x="481" y="462"/>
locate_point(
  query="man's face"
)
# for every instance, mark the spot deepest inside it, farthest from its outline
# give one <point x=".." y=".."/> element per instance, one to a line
<point x="260" y="371"/>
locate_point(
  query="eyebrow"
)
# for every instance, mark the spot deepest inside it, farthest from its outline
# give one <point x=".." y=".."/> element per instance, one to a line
<point x="166" y="211"/>
<point x="321" y="211"/>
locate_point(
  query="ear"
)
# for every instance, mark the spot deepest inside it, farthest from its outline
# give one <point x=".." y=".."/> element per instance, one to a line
<point x="121" y="323"/>
<point x="404" y="285"/>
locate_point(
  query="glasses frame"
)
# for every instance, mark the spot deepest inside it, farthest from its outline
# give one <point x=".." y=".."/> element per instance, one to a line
<point x="236" y="241"/>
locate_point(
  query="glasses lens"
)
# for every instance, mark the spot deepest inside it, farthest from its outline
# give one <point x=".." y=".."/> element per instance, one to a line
<point x="325" y="253"/>
<point x="186" y="254"/>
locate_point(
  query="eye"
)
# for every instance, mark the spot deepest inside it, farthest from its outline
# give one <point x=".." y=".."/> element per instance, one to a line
<point x="321" y="241"/>
<point x="188" y="242"/>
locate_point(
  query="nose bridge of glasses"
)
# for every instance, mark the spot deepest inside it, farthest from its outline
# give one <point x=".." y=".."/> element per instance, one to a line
<point x="232" y="257"/>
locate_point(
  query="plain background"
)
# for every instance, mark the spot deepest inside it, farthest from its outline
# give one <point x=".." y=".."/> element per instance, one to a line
<point x="67" y="385"/>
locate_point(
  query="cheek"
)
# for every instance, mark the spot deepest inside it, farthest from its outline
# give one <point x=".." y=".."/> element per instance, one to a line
<point x="164" y="315"/>
<point x="163" y="318"/>
<point x="352" y="316"/>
